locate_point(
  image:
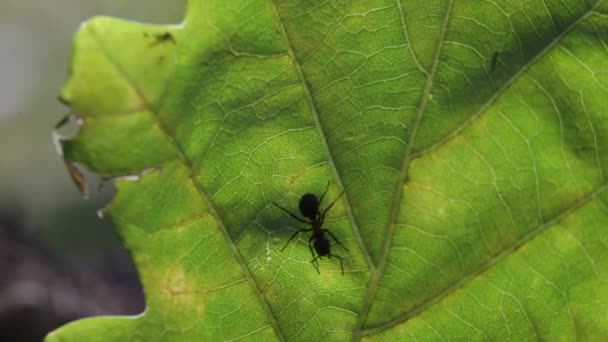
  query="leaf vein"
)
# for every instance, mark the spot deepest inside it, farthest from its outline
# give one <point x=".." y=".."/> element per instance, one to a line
<point x="315" y="113"/>
<point x="581" y="202"/>
<point x="181" y="155"/>
<point x="520" y="73"/>
<point x="391" y="222"/>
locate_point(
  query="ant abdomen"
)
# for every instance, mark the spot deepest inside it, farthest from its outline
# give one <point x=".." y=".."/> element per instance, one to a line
<point x="322" y="247"/>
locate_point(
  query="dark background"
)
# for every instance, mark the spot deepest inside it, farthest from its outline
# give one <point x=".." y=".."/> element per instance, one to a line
<point x="58" y="260"/>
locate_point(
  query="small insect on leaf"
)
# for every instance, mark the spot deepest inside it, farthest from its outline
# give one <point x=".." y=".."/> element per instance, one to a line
<point x="318" y="243"/>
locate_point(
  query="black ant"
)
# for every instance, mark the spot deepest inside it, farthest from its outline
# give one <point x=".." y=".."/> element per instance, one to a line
<point x="309" y="207"/>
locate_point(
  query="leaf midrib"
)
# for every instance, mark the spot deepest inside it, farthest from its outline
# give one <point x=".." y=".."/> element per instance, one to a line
<point x="315" y="113"/>
<point x="204" y="197"/>
<point x="453" y="134"/>
<point x="378" y="270"/>
<point x="394" y="210"/>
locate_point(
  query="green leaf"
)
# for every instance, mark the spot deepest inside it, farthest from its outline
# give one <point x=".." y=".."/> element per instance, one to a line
<point x="470" y="139"/>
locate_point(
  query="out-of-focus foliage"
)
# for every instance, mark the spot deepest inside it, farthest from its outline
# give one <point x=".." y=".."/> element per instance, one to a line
<point x="52" y="244"/>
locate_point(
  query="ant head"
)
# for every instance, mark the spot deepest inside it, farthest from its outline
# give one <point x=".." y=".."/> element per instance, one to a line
<point x="309" y="206"/>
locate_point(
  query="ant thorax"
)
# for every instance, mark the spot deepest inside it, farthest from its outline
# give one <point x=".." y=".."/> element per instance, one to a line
<point x="317" y="232"/>
<point x="322" y="247"/>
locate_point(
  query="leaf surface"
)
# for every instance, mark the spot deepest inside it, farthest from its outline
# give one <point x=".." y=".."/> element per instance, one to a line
<point x="470" y="139"/>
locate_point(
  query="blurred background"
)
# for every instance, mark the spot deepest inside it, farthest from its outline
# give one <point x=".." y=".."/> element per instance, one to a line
<point x="58" y="260"/>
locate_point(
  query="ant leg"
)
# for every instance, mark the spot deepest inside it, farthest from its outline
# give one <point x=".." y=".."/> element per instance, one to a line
<point x="324" y="193"/>
<point x="341" y="263"/>
<point x="331" y="205"/>
<point x="291" y="214"/>
<point x="314" y="262"/>
<point x="335" y="238"/>
<point x="293" y="236"/>
<point x="312" y="252"/>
